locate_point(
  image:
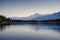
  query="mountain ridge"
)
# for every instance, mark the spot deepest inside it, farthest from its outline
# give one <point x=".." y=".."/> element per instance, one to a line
<point x="38" y="16"/>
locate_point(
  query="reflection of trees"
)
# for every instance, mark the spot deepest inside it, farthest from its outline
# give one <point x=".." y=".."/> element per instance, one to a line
<point x="2" y="27"/>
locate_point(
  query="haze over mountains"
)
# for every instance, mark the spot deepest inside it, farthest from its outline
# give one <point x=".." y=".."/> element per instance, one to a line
<point x="37" y="16"/>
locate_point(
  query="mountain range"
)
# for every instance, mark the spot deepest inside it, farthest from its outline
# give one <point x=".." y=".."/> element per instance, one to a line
<point x="38" y="16"/>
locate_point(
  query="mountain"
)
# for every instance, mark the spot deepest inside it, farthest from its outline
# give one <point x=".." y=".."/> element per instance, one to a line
<point x="18" y="18"/>
<point x="48" y="17"/>
<point x="26" y="18"/>
<point x="34" y="16"/>
<point x="37" y="16"/>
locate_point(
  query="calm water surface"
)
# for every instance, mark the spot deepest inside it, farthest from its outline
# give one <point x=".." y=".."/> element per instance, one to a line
<point x="30" y="32"/>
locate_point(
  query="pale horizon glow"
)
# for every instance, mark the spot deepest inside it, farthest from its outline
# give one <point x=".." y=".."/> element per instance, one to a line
<point x="24" y="8"/>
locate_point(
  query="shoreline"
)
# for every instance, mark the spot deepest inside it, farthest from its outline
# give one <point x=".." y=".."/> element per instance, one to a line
<point x="8" y="23"/>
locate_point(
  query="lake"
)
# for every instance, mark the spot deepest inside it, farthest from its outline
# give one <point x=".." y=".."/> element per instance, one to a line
<point x="30" y="32"/>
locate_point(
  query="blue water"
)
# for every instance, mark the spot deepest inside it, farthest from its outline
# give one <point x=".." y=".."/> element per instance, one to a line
<point x="30" y="32"/>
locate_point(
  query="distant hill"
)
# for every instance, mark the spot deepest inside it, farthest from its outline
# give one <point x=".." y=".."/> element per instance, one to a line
<point x="34" y="16"/>
<point x="27" y="18"/>
<point x="37" y="16"/>
<point x="48" y="17"/>
<point x="18" y="18"/>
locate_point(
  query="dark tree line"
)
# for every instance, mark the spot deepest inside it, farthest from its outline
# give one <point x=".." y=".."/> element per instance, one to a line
<point x="4" y="20"/>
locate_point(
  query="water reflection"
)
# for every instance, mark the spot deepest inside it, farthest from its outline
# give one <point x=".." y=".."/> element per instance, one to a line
<point x="35" y="26"/>
<point x="30" y="32"/>
<point x="3" y="27"/>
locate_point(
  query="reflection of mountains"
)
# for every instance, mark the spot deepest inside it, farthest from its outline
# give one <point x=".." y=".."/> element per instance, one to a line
<point x="37" y="27"/>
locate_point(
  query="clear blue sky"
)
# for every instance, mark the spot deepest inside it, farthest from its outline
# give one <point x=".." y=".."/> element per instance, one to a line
<point x="21" y="8"/>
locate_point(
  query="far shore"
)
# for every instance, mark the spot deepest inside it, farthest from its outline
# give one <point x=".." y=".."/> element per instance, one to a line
<point x="7" y="23"/>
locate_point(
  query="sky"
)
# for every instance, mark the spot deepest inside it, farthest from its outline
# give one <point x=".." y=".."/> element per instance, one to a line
<point x="24" y="8"/>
